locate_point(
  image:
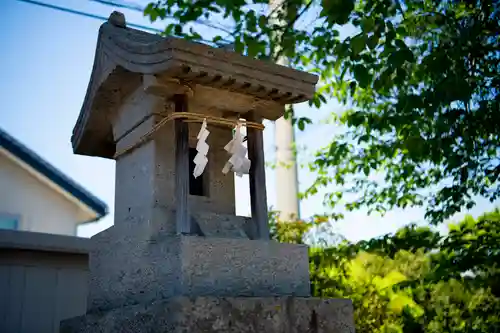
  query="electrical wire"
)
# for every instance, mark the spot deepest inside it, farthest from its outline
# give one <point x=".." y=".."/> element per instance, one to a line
<point x="135" y="7"/>
<point x="77" y="12"/>
<point x="103" y="18"/>
<point x="124" y="5"/>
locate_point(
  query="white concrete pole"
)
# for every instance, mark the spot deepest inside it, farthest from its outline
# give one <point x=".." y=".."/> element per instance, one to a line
<point x="287" y="202"/>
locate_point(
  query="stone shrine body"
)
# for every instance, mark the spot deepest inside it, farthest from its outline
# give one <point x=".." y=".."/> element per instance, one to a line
<point x="178" y="259"/>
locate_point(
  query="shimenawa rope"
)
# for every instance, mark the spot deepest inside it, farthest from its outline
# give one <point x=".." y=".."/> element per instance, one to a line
<point x="189" y="117"/>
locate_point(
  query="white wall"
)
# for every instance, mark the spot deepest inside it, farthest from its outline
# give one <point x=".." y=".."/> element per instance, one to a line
<point x="42" y="209"/>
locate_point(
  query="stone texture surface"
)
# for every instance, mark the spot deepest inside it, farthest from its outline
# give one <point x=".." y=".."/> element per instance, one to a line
<point x="222" y="315"/>
<point x="144" y="192"/>
<point x="126" y="269"/>
<point x="222" y="226"/>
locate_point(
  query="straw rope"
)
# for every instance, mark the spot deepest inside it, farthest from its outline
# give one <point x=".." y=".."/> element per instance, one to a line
<point x="189" y="117"/>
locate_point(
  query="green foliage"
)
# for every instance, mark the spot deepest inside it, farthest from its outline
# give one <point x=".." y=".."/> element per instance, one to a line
<point x="421" y="78"/>
<point x="473" y="246"/>
<point x="292" y="231"/>
<point x="414" y="280"/>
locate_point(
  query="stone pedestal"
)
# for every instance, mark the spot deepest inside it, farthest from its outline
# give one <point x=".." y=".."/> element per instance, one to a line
<point x="126" y="270"/>
<point x="174" y="283"/>
<point x="221" y="315"/>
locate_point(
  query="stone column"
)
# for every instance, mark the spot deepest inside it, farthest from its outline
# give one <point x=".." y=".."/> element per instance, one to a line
<point x="258" y="195"/>
<point x="144" y="190"/>
<point x="183" y="220"/>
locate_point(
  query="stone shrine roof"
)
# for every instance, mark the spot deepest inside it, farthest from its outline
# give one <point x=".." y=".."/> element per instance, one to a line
<point x="124" y="55"/>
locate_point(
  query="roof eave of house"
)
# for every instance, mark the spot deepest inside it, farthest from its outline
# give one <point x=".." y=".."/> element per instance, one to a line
<point x="54" y="178"/>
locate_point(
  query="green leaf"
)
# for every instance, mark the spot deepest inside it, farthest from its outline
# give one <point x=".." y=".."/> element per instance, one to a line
<point x="399" y="43"/>
<point x="352" y="87"/>
<point x="316" y="101"/>
<point x="301" y="124"/>
<point x="373" y="41"/>
<point x="239" y="47"/>
<point x="362" y="75"/>
<point x="262" y="22"/>
<point x="337" y="12"/>
<point x="251" y="21"/>
<point x="178" y="29"/>
<point x="367" y="24"/>
<point x="358" y="44"/>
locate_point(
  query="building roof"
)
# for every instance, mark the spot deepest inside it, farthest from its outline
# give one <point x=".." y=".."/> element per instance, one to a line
<point x="33" y="160"/>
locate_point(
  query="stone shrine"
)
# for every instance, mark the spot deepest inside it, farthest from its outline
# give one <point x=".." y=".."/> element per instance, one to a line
<point x="178" y="259"/>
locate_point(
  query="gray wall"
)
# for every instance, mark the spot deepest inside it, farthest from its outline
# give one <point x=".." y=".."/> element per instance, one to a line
<point x="43" y="279"/>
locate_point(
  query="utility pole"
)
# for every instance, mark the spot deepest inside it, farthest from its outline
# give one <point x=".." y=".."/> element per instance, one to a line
<point x="287" y="202"/>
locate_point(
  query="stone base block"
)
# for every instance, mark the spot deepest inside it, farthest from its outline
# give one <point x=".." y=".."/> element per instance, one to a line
<point x="221" y="315"/>
<point x="126" y="272"/>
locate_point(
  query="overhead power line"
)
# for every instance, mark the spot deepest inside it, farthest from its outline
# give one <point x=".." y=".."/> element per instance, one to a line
<point x="135" y="7"/>
<point x="90" y="15"/>
<point x="121" y="5"/>
<point x="125" y="5"/>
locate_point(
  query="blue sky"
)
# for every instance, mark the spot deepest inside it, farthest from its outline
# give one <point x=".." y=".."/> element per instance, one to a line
<point x="46" y="61"/>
